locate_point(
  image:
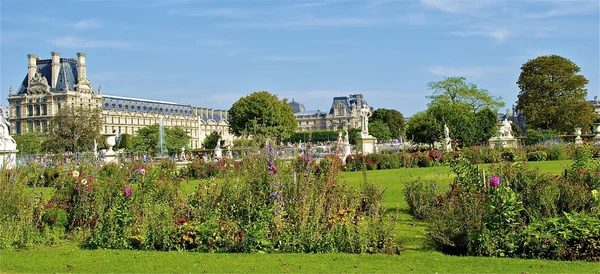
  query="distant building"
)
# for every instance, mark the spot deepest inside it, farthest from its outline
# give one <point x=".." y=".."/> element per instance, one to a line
<point x="52" y="84"/>
<point x="343" y="114"/>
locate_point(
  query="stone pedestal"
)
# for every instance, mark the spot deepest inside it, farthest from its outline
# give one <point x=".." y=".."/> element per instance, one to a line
<point x="8" y="158"/>
<point x="597" y="137"/>
<point x="110" y="157"/>
<point x="448" y="144"/>
<point x="218" y="153"/>
<point x="365" y="143"/>
<point x="578" y="139"/>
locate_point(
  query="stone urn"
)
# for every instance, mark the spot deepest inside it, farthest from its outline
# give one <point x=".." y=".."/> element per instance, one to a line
<point x="110" y="155"/>
<point x="578" y="139"/>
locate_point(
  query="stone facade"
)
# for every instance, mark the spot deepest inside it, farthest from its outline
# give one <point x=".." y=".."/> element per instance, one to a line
<point x="58" y="82"/>
<point x="343" y="114"/>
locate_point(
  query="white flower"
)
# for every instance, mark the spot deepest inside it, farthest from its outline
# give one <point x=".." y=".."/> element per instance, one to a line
<point x="75" y="173"/>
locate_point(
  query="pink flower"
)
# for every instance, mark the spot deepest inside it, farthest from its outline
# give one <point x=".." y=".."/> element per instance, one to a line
<point x="127" y="192"/>
<point x="494" y="181"/>
<point x="581" y="171"/>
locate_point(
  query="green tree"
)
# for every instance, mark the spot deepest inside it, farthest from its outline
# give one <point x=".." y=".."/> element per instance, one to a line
<point x="147" y="139"/>
<point x="73" y="130"/>
<point x="262" y="115"/>
<point x="456" y="89"/>
<point x="422" y="127"/>
<point x="29" y="143"/>
<point x="210" y="142"/>
<point x="125" y="141"/>
<point x="380" y="131"/>
<point x="392" y="118"/>
<point x="553" y="95"/>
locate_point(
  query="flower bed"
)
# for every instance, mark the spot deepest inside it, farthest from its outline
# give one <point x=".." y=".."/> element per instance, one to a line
<point x="259" y="204"/>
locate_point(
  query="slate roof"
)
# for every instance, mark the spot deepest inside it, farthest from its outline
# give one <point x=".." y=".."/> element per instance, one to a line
<point x="348" y="101"/>
<point x="297" y="107"/>
<point x="67" y="76"/>
<point x="118" y="103"/>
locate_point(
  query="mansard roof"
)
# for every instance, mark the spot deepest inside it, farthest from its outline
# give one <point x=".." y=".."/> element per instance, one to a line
<point x="297" y="107"/>
<point x="349" y="102"/>
<point x="67" y="76"/>
<point x="118" y="103"/>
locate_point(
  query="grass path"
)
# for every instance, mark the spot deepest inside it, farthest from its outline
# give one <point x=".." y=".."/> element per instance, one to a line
<point x="417" y="256"/>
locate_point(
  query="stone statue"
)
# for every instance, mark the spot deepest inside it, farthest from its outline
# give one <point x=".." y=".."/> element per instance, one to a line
<point x="218" y="143"/>
<point x="507" y="129"/>
<point x="446" y="132"/>
<point x="5" y="137"/>
<point x="365" y="113"/>
<point x="346" y="138"/>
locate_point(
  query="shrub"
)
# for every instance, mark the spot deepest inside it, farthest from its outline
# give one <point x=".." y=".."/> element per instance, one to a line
<point x="537" y="155"/>
<point x="420" y="197"/>
<point x="573" y="236"/>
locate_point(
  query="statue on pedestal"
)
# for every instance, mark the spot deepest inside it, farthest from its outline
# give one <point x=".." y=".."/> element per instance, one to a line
<point x="365" y="113"/>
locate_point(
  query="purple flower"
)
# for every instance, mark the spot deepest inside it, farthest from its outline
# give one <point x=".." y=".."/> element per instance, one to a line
<point x="494" y="181"/>
<point x="127" y="192"/>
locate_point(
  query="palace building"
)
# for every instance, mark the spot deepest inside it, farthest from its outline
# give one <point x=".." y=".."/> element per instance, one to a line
<point x="343" y="114"/>
<point x="58" y="82"/>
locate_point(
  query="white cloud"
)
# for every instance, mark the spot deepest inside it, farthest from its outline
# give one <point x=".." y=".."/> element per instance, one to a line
<point x="214" y="42"/>
<point x="458" y="6"/>
<point x="499" y="34"/>
<point x="87" y="24"/>
<point x="309" y="5"/>
<point x="78" y="42"/>
<point x="214" y="12"/>
<point x="564" y="8"/>
<point x="469" y="71"/>
<point x="292" y="57"/>
<point x="311" y="22"/>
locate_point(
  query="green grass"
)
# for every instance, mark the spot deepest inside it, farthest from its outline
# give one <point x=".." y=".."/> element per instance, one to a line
<point x="417" y="255"/>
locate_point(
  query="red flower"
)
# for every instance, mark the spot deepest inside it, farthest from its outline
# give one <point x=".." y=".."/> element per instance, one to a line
<point x="52" y="218"/>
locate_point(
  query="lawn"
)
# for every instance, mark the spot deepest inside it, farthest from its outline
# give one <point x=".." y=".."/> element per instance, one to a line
<point x="417" y="255"/>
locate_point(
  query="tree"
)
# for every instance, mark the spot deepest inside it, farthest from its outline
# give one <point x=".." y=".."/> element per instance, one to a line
<point x="422" y="127"/>
<point x="74" y="129"/>
<point x="29" y="143"/>
<point x="380" y="131"/>
<point x="455" y="89"/>
<point x="392" y="118"/>
<point x="469" y="113"/>
<point x="553" y="95"/>
<point x="210" y="142"/>
<point x="125" y="141"/>
<point x="147" y="139"/>
<point x="263" y="116"/>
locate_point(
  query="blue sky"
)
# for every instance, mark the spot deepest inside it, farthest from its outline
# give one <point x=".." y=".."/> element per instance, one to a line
<point x="211" y="53"/>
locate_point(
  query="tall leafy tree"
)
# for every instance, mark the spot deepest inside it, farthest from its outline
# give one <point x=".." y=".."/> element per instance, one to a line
<point x="263" y="116"/>
<point x="392" y="118"/>
<point x="210" y="142"/>
<point x="29" y="143"/>
<point x="380" y="130"/>
<point x="422" y="127"/>
<point x="457" y="90"/>
<point x="147" y="139"/>
<point x="553" y="94"/>
<point x="74" y="129"/>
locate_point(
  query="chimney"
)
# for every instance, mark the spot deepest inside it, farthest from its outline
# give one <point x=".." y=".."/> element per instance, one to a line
<point x="81" y="65"/>
<point x="55" y="68"/>
<point x="32" y="67"/>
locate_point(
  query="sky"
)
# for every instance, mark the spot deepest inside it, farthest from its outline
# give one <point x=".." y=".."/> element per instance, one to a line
<point x="212" y="53"/>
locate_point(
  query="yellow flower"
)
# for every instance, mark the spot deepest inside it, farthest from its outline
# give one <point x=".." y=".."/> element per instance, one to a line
<point x="595" y="194"/>
<point x="75" y="173"/>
